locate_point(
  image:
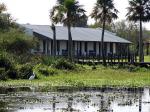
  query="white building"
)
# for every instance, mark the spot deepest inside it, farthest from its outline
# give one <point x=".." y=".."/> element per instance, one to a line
<point x="86" y="41"/>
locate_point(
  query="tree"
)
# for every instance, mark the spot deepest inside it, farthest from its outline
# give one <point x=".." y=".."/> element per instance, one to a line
<point x="2" y="8"/>
<point x="5" y="19"/>
<point x="82" y="22"/>
<point x="104" y="12"/>
<point x="139" y="10"/>
<point x="54" y="39"/>
<point x="67" y="12"/>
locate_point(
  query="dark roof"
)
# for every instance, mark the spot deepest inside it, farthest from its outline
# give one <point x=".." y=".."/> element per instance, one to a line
<point x="78" y="34"/>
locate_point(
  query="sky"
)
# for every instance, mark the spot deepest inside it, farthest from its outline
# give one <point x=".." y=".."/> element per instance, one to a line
<point x="37" y="11"/>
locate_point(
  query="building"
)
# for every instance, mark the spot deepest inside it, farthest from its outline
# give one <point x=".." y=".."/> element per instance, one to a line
<point x="86" y="41"/>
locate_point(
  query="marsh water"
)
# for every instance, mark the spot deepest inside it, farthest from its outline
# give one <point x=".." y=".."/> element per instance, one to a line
<point x="103" y="100"/>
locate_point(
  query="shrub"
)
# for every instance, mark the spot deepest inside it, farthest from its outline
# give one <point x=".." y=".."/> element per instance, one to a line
<point x="5" y="63"/>
<point x="64" y="64"/>
<point x="13" y="40"/>
<point x="16" y="46"/>
<point x="47" y="71"/>
<point x="47" y="60"/>
<point x="24" y="71"/>
<point x="3" y="74"/>
<point x="43" y="70"/>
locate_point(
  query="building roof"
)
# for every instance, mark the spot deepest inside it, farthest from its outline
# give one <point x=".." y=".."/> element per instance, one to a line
<point x="78" y="34"/>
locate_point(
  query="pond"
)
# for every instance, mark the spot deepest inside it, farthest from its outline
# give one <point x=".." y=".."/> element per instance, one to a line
<point x="103" y="100"/>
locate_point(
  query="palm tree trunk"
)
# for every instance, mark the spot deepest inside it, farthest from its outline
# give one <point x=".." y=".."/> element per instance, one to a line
<point x="102" y="42"/>
<point x="69" y="43"/>
<point x="54" y="40"/>
<point x="141" y="54"/>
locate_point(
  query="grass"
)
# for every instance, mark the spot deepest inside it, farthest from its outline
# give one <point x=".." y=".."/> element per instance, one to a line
<point x="88" y="78"/>
<point x="147" y="58"/>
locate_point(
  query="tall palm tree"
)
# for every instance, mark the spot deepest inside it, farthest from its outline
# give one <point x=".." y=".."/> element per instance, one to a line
<point x="54" y="40"/>
<point x="139" y="10"/>
<point x="104" y="12"/>
<point x="67" y="12"/>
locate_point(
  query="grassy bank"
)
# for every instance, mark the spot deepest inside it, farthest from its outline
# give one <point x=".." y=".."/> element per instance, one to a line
<point x="147" y="58"/>
<point x="88" y="78"/>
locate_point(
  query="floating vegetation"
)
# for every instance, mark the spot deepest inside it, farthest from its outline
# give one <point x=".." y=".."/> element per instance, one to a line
<point x="103" y="100"/>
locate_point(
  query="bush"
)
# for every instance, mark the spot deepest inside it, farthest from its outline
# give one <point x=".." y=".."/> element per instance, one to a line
<point x="43" y="70"/>
<point x="16" y="46"/>
<point x="5" y="62"/>
<point x="47" y="71"/>
<point x="3" y="74"/>
<point x="47" y="60"/>
<point x="24" y="71"/>
<point x="64" y="64"/>
<point x="13" y="40"/>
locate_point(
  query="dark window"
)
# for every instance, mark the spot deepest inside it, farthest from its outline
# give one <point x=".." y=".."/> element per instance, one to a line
<point x="58" y="46"/>
<point x="94" y="46"/>
<point x="111" y="47"/>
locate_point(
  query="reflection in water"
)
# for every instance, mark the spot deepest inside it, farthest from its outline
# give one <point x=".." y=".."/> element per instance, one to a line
<point x="106" y="100"/>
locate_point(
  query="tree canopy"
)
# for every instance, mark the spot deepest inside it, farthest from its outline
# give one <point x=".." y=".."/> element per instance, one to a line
<point x="67" y="11"/>
<point x="139" y="10"/>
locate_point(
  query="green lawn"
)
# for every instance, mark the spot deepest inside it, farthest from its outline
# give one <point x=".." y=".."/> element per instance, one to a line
<point x="147" y="58"/>
<point x="88" y="78"/>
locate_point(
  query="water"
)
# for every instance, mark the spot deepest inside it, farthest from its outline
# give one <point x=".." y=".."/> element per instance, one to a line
<point x="105" y="100"/>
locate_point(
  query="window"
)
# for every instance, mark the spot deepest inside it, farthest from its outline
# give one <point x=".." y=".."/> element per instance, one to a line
<point x="58" y="46"/>
<point x="94" y="46"/>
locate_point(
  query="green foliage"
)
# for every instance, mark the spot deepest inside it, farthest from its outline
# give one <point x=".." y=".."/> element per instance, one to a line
<point x="6" y="20"/>
<point x="72" y="9"/>
<point x="3" y="74"/>
<point x="64" y="64"/>
<point x="5" y="62"/>
<point x="16" y="42"/>
<point x="24" y="71"/>
<point x="104" y="11"/>
<point x="19" y="46"/>
<point x="139" y="10"/>
<point x="9" y="70"/>
<point x="43" y="70"/>
<point x="47" y="71"/>
<point x="47" y="60"/>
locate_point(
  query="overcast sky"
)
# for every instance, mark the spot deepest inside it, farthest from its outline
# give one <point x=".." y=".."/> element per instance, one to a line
<point x="37" y="11"/>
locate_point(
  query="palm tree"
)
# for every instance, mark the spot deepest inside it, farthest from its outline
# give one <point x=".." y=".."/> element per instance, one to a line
<point x="54" y="39"/>
<point x="104" y="12"/>
<point x="67" y="12"/>
<point x="139" y="10"/>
